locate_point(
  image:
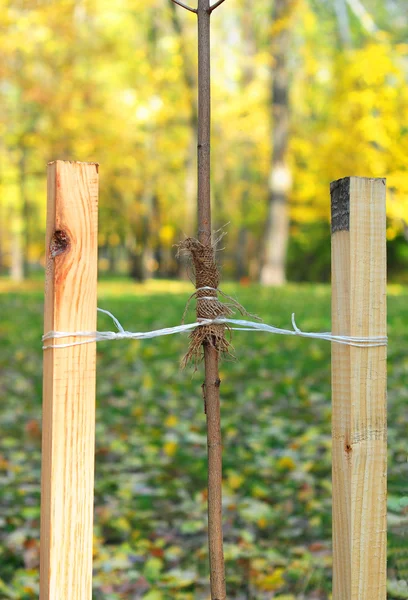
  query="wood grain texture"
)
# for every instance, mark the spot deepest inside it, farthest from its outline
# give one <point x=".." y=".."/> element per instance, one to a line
<point x="359" y="394"/>
<point x="67" y="479"/>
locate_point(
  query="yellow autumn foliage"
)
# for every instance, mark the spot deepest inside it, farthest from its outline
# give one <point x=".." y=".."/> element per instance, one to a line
<point x="91" y="83"/>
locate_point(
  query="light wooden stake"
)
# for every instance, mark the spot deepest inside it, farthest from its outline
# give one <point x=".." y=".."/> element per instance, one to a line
<point x="359" y="390"/>
<point x="69" y="383"/>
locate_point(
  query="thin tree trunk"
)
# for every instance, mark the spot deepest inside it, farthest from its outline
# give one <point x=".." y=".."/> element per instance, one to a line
<point x="211" y="387"/>
<point x="273" y="271"/>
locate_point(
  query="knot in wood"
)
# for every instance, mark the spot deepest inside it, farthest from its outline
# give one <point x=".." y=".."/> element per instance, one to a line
<point x="60" y="243"/>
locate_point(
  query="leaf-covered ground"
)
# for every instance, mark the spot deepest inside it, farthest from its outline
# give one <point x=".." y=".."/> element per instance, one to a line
<point x="150" y="490"/>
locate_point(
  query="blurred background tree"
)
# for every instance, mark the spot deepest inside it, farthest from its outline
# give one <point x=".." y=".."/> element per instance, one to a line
<point x="305" y="91"/>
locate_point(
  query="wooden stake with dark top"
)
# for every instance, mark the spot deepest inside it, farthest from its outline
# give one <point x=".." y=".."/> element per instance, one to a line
<point x="359" y="378"/>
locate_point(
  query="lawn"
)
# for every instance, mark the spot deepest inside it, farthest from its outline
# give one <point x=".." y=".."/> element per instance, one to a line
<point x="150" y="490"/>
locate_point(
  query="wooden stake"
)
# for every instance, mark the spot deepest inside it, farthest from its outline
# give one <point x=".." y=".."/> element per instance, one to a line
<point x="67" y="479"/>
<point x="359" y="390"/>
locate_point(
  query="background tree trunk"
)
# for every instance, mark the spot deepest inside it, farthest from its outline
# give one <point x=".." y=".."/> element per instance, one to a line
<point x="340" y="8"/>
<point x="17" y="254"/>
<point x="190" y="81"/>
<point x="248" y="76"/>
<point x="26" y="213"/>
<point x="273" y="270"/>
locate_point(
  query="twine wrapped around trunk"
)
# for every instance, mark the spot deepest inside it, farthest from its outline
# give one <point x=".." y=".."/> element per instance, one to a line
<point x="207" y="276"/>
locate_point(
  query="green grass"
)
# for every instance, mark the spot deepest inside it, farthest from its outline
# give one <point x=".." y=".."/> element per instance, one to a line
<point x="150" y="490"/>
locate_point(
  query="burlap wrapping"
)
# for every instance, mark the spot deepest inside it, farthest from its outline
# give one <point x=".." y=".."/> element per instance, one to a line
<point x="206" y="275"/>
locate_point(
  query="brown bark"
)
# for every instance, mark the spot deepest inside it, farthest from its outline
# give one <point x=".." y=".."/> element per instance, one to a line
<point x="273" y="271"/>
<point x="204" y="123"/>
<point x="211" y="387"/>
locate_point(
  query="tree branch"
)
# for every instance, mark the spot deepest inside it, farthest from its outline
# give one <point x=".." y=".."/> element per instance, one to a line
<point x="214" y="6"/>
<point x="193" y="10"/>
